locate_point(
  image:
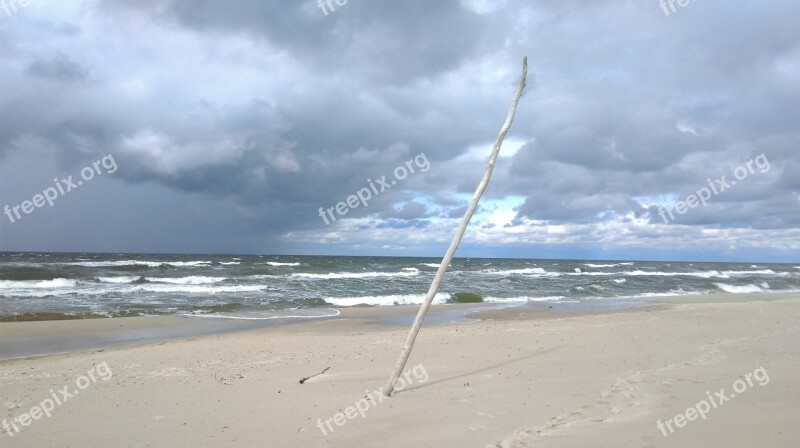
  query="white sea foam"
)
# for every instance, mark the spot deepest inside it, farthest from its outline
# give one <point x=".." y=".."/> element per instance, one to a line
<point x="277" y="263"/>
<point x="188" y="263"/>
<point x="635" y="273"/>
<point x="742" y="289"/>
<point x="705" y="274"/>
<point x="436" y="265"/>
<point x="191" y="280"/>
<point x="119" y="280"/>
<point x="107" y="264"/>
<point x="151" y="264"/>
<point x="523" y="299"/>
<point x="57" y="283"/>
<point x="600" y="265"/>
<point x="407" y="272"/>
<point x="257" y="315"/>
<point x="526" y="271"/>
<point x="35" y="293"/>
<point x="38" y="284"/>
<point x="759" y="272"/>
<point x="671" y="293"/>
<point x="229" y="263"/>
<point x="388" y="300"/>
<point x="196" y="289"/>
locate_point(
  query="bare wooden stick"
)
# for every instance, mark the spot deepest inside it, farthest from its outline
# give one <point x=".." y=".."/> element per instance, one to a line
<point x="303" y="380"/>
<point x="448" y="256"/>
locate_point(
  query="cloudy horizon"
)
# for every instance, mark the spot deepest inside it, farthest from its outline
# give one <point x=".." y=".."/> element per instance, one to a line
<point x="232" y="125"/>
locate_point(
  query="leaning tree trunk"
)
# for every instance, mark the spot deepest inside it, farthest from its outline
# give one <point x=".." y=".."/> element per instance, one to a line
<point x="448" y="256"/>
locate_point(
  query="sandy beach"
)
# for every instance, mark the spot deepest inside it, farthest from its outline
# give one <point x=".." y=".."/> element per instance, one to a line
<point x="517" y="377"/>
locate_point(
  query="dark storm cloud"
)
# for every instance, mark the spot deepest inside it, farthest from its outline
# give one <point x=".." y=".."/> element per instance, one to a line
<point x="388" y="41"/>
<point x="271" y="110"/>
<point x="411" y="210"/>
<point x="59" y="68"/>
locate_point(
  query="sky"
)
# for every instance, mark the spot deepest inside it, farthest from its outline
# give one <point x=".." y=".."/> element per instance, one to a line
<point x="647" y="131"/>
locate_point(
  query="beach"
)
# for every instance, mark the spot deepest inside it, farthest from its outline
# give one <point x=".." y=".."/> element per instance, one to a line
<point x="515" y="377"/>
<point x="492" y="224"/>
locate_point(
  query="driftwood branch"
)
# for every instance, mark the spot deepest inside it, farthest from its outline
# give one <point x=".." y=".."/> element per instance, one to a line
<point x="448" y="257"/>
<point x="303" y="380"/>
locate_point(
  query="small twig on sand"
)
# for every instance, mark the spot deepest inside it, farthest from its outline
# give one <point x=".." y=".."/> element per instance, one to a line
<point x="303" y="380"/>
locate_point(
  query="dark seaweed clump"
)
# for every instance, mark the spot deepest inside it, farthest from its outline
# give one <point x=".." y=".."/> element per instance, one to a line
<point x="465" y="297"/>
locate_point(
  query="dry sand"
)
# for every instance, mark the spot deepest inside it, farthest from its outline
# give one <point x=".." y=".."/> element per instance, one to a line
<point x="523" y="377"/>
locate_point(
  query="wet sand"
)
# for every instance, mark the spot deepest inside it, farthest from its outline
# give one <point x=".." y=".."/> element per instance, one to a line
<point x="26" y="339"/>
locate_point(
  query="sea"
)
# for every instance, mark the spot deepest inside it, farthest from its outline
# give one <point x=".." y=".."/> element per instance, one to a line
<point x="41" y="286"/>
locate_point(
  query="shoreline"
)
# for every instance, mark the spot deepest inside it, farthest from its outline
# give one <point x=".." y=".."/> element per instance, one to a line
<point x="19" y="340"/>
<point x="26" y="339"/>
<point x="549" y="378"/>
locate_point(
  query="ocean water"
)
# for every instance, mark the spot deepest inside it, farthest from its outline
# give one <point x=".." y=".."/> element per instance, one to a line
<point x="57" y="285"/>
